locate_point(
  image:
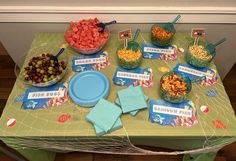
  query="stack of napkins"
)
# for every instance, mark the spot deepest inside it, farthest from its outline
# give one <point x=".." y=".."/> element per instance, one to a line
<point x="131" y="100"/>
<point x="105" y="117"/>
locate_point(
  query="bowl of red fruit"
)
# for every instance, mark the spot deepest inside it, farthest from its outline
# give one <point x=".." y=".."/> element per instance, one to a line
<point x="86" y="37"/>
<point x="42" y="70"/>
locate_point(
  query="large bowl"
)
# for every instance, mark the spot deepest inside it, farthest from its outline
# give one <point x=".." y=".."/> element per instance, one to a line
<point x="19" y="67"/>
<point x="165" y="95"/>
<point x="91" y="50"/>
<point x="158" y="39"/>
<point x="125" y="64"/>
<point x="197" y="61"/>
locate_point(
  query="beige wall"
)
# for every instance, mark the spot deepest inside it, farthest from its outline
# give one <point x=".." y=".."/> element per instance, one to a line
<point x="17" y="37"/>
<point x="119" y="3"/>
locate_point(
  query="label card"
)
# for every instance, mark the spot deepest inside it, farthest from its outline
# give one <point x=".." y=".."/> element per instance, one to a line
<point x="136" y="77"/>
<point x="198" y="32"/>
<point x="36" y="98"/>
<point x="150" y="51"/>
<point x="210" y="81"/>
<point x="165" y="113"/>
<point x="90" y="62"/>
<point x="125" y="34"/>
<point x="194" y="74"/>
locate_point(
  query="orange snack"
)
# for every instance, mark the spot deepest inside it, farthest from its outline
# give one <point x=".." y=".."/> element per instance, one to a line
<point x="129" y="55"/>
<point x="161" y="33"/>
<point x="174" y="85"/>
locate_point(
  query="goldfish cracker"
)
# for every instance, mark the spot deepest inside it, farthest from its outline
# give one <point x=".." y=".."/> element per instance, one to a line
<point x="161" y="36"/>
<point x="174" y="87"/>
<point x="128" y="58"/>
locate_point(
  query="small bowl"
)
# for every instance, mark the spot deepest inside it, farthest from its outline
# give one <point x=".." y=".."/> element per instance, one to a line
<point x="165" y="95"/>
<point x="91" y="50"/>
<point x="157" y="40"/>
<point x="19" y="68"/>
<point x="125" y="64"/>
<point x="197" y="61"/>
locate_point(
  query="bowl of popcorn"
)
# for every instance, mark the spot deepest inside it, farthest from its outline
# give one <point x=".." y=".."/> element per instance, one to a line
<point x="174" y="87"/>
<point x="86" y="37"/>
<point x="199" y="56"/>
<point x="129" y="58"/>
<point x="161" y="36"/>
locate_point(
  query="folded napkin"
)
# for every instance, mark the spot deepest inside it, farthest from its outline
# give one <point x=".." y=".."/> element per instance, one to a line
<point x="117" y="125"/>
<point x="132" y="113"/>
<point x="104" y="115"/>
<point x="132" y="99"/>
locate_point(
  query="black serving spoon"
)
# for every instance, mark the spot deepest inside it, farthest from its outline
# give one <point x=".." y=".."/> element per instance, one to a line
<point x="103" y="25"/>
<point x="55" y="58"/>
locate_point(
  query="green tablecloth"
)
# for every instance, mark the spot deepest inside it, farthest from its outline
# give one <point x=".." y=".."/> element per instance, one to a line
<point x="39" y="128"/>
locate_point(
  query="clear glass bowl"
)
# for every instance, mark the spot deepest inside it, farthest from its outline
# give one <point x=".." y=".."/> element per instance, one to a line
<point x="198" y="62"/>
<point x="165" y="95"/>
<point x="19" y="67"/>
<point x="91" y="50"/>
<point x="128" y="64"/>
<point x="158" y="39"/>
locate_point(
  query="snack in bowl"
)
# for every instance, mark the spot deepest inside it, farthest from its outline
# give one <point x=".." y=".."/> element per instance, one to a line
<point x="160" y="36"/>
<point x="198" y="56"/>
<point x="85" y="36"/>
<point x="43" y="70"/>
<point x="174" y="87"/>
<point x="128" y="58"/>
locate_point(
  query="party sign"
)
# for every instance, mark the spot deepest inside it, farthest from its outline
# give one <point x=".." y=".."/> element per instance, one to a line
<point x="90" y="62"/>
<point x="194" y="74"/>
<point x="35" y="98"/>
<point x="173" y="114"/>
<point x="136" y="77"/>
<point x="150" y="51"/>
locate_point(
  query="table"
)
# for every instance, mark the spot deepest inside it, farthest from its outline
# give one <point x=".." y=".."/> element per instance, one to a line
<point x="39" y="129"/>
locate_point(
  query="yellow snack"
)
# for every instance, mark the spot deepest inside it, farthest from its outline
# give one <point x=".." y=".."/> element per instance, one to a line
<point x="129" y="55"/>
<point x="199" y="52"/>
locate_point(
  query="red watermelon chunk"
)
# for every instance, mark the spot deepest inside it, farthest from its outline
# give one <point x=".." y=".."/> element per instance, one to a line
<point x="85" y="34"/>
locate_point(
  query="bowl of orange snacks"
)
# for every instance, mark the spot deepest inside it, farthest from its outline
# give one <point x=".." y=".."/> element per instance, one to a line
<point x="161" y="36"/>
<point x="129" y="58"/>
<point x="174" y="87"/>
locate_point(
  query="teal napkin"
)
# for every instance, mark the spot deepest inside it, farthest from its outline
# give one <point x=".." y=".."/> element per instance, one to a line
<point x="104" y="115"/>
<point x="117" y="125"/>
<point x="132" y="99"/>
<point x="132" y="113"/>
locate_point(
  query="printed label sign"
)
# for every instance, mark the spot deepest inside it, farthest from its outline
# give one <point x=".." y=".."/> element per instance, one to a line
<point x="133" y="75"/>
<point x="90" y="62"/>
<point x="198" y="32"/>
<point x="172" y="111"/>
<point x="136" y="77"/>
<point x="194" y="74"/>
<point x="35" y="98"/>
<point x="46" y="94"/>
<point x="150" y="51"/>
<point x="125" y="34"/>
<point x="165" y="113"/>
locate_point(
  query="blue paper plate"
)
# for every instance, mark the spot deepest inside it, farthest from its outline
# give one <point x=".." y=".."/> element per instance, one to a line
<point x="88" y="87"/>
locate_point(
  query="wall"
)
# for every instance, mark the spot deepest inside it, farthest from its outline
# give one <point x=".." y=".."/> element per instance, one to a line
<point x="20" y="20"/>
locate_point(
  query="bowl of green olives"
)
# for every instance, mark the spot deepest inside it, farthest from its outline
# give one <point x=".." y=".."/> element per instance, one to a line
<point x="42" y="70"/>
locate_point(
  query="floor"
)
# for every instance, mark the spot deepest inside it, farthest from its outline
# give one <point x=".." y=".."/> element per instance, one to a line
<point x="7" y="79"/>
